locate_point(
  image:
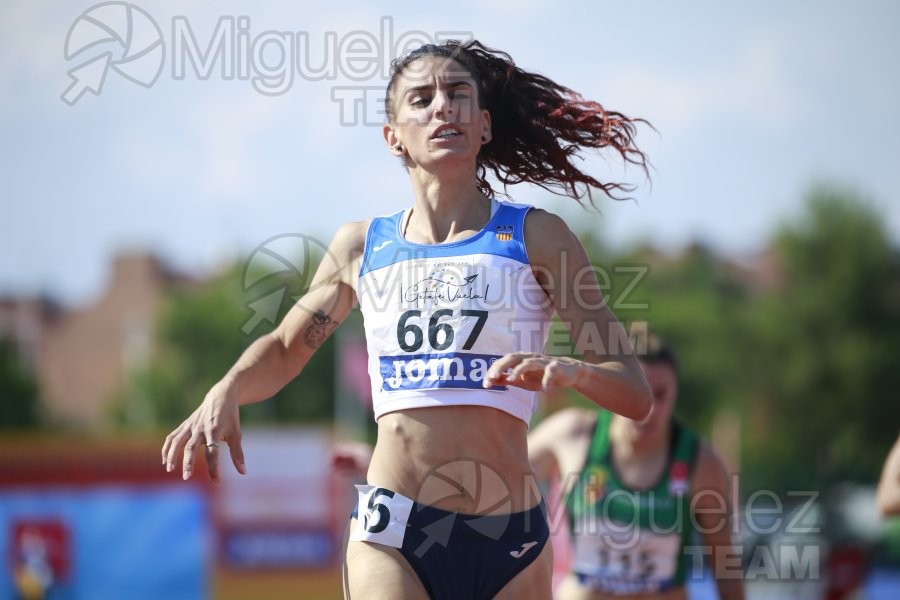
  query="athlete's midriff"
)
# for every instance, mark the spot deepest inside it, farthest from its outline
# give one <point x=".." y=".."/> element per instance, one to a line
<point x="570" y="589"/>
<point x="465" y="459"/>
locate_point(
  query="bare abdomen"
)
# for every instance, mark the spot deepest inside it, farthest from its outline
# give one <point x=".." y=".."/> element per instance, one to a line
<point x="466" y="459"/>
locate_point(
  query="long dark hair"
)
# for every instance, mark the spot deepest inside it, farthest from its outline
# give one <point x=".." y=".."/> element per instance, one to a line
<point x="537" y="125"/>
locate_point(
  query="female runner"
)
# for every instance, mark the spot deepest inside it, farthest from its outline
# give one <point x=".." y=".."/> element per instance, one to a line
<point x="635" y="493"/>
<point x="457" y="294"/>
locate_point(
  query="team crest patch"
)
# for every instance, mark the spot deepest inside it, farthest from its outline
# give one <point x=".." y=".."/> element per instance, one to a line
<point x="504" y="233"/>
<point x="678" y="478"/>
<point x="595" y="484"/>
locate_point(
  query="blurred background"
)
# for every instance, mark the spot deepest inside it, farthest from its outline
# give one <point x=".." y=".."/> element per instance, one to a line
<point x="172" y="172"/>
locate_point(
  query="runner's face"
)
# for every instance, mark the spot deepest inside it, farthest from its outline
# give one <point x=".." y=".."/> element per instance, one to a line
<point x="436" y="114"/>
<point x="664" y="387"/>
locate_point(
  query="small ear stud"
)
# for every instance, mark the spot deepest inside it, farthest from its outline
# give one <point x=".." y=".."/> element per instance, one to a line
<point x="399" y="148"/>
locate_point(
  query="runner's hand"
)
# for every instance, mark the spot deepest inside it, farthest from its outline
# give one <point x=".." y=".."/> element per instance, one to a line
<point x="533" y="371"/>
<point x="217" y="419"/>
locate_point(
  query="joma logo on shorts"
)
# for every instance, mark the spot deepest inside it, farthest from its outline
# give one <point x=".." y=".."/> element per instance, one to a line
<point x="430" y="371"/>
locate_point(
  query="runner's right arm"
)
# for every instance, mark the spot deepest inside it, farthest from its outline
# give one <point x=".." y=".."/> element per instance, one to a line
<point x="272" y="361"/>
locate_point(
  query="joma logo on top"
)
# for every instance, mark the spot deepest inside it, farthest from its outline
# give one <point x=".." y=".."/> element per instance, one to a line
<point x="435" y="371"/>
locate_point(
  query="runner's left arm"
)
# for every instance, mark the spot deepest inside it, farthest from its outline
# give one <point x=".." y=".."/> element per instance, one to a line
<point x="608" y="374"/>
<point x="888" y="494"/>
<point x="713" y="512"/>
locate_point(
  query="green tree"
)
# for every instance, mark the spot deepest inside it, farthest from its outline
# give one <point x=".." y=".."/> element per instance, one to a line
<point x="826" y="375"/>
<point x="201" y="333"/>
<point x="809" y="363"/>
<point x="18" y="390"/>
<point x="698" y="307"/>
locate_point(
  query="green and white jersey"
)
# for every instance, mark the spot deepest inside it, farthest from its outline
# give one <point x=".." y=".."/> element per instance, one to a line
<point x="631" y="541"/>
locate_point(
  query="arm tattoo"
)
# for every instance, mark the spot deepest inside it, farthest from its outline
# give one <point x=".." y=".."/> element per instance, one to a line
<point x="320" y="329"/>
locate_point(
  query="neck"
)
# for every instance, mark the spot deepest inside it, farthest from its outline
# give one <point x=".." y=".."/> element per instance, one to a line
<point x="446" y="205"/>
<point x="630" y="442"/>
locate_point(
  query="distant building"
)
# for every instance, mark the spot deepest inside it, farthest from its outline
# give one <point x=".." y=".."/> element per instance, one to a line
<point x="81" y="357"/>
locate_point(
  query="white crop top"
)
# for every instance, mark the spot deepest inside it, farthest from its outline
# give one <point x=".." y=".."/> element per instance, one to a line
<point x="438" y="315"/>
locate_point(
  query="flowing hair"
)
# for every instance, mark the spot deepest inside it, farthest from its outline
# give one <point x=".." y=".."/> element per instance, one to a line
<point x="538" y="126"/>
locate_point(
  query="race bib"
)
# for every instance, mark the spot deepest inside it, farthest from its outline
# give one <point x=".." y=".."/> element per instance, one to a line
<point x="382" y="516"/>
<point x="626" y="560"/>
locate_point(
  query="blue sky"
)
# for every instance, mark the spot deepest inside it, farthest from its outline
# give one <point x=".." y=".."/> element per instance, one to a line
<point x="752" y="104"/>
